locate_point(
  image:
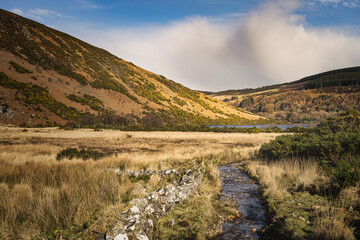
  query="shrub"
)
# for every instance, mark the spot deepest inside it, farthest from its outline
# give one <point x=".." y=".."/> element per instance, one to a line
<point x="84" y="154"/>
<point x="18" y="68"/>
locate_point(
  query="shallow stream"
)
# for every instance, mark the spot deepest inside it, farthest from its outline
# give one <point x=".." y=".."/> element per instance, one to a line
<point x="244" y="192"/>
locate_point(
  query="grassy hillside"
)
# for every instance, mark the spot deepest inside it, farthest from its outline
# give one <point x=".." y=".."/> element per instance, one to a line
<point x="310" y="99"/>
<point x="42" y="69"/>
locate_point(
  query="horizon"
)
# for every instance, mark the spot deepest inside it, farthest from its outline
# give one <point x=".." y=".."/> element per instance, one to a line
<point x="213" y="45"/>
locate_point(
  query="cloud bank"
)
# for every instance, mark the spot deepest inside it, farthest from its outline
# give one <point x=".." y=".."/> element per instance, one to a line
<point x="267" y="46"/>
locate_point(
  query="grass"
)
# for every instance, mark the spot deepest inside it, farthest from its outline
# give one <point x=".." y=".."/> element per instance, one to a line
<point x="300" y="201"/>
<point x="46" y="198"/>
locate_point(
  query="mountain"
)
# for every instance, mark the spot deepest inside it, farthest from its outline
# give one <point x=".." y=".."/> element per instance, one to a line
<point x="307" y="100"/>
<point x="48" y="77"/>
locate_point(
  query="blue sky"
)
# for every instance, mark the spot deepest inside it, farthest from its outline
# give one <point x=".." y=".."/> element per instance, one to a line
<point x="110" y="13"/>
<point x="212" y="44"/>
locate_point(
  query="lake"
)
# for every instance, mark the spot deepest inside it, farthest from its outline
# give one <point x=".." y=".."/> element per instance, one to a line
<point x="265" y="126"/>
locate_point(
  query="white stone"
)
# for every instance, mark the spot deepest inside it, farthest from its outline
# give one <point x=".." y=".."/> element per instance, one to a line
<point x="162" y="191"/>
<point x="121" y="237"/>
<point x="135" y="209"/>
<point x="143" y="237"/>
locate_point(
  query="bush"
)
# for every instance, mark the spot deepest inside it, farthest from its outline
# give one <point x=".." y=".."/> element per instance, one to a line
<point x="84" y="154"/>
<point x="18" y="68"/>
<point x="346" y="171"/>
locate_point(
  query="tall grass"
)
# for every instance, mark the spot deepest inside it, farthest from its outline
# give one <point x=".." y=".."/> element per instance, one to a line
<point x="292" y="189"/>
<point x="278" y="176"/>
<point x="40" y="197"/>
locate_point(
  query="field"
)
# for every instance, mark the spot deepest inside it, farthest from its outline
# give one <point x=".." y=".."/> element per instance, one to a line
<point x="47" y="198"/>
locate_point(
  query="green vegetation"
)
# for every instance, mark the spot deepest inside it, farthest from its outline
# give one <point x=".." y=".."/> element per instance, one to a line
<point x="178" y="101"/>
<point x="91" y="101"/>
<point x="34" y="94"/>
<point x="84" y="154"/>
<point x="18" y="68"/>
<point x="148" y="90"/>
<point x="335" y="78"/>
<point x="316" y="177"/>
<point x="112" y="85"/>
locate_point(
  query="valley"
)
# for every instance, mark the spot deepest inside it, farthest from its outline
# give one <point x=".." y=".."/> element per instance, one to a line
<point x="94" y="147"/>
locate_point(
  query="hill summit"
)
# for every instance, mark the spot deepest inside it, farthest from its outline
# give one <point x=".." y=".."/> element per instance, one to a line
<point x="48" y="77"/>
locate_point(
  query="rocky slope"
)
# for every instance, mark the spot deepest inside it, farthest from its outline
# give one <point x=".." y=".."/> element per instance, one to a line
<point x="310" y="99"/>
<point x="48" y="77"/>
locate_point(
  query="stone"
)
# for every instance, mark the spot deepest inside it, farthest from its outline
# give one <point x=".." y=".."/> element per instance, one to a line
<point x="143" y="237"/>
<point x="135" y="209"/>
<point x="121" y="237"/>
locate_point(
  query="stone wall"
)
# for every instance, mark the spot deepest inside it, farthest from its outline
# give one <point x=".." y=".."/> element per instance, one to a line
<point x="138" y="222"/>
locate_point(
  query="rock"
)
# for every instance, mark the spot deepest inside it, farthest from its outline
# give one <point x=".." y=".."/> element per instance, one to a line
<point x="134" y="209"/>
<point x="121" y="237"/>
<point x="253" y="230"/>
<point x="143" y="237"/>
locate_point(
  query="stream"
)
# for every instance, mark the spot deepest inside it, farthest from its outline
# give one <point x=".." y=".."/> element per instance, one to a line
<point x="244" y="192"/>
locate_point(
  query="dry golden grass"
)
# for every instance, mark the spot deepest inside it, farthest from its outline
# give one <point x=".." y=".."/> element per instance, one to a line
<point x="332" y="225"/>
<point x="134" y="146"/>
<point x="41" y="195"/>
<point x="273" y="175"/>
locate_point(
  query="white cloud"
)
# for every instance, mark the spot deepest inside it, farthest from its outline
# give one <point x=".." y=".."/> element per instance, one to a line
<point x="351" y="4"/>
<point x="348" y="3"/>
<point x="329" y="1"/>
<point x="270" y="45"/>
<point x="17" y="11"/>
<point x="88" y="4"/>
<point x="37" y="13"/>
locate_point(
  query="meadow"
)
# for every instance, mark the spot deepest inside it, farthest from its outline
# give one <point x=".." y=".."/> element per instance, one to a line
<point x="43" y="197"/>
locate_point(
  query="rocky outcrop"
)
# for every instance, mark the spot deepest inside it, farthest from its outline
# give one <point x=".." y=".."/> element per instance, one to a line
<point x="138" y="222"/>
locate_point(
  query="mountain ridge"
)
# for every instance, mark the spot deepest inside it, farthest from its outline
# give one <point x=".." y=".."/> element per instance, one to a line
<point x="92" y="83"/>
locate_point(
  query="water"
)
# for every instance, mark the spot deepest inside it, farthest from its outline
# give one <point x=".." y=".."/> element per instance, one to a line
<point x="281" y="126"/>
<point x="245" y="194"/>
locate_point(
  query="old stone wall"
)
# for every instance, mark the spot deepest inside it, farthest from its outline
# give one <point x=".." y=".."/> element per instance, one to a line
<point x="138" y="222"/>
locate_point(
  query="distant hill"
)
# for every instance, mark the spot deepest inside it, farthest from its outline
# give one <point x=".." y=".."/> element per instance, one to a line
<point x="309" y="99"/>
<point x="48" y="77"/>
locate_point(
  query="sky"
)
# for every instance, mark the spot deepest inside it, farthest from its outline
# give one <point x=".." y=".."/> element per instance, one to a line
<point x="212" y="45"/>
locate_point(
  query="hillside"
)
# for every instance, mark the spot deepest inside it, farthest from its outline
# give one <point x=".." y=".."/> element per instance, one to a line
<point x="310" y="99"/>
<point x="48" y="77"/>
